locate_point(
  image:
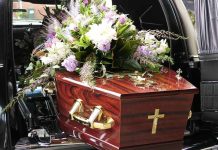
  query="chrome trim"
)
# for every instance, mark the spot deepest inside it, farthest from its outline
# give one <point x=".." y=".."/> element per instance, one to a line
<point x="1" y="65"/>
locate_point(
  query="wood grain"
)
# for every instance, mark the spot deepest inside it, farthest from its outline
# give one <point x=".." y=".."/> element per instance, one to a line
<point x="129" y="106"/>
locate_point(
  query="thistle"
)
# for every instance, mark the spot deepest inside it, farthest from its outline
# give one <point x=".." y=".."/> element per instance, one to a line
<point x="87" y="73"/>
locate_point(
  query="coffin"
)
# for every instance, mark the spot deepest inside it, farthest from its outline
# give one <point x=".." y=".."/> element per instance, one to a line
<point x="117" y="114"/>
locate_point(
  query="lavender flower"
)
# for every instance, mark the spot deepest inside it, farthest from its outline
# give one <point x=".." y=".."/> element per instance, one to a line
<point x="110" y="17"/>
<point x="122" y="19"/>
<point x="51" y="35"/>
<point x="86" y="2"/>
<point x="142" y="51"/>
<point x="104" y="46"/>
<point x="50" y="42"/>
<point x="104" y="8"/>
<point x="70" y="63"/>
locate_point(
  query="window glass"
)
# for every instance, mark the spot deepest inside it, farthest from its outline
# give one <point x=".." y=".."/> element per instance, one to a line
<point x="25" y="13"/>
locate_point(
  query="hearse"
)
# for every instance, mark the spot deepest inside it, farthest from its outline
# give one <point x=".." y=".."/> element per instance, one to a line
<point x="32" y="123"/>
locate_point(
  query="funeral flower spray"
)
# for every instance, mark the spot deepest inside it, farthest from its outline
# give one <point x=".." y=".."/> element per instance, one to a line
<point x="91" y="38"/>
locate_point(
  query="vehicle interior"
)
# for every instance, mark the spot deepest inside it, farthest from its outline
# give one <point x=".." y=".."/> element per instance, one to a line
<point x="39" y="111"/>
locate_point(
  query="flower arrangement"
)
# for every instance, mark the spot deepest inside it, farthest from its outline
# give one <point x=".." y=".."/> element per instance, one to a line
<point x="92" y="38"/>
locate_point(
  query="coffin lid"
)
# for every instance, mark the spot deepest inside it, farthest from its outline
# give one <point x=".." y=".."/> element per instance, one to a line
<point x="164" y="83"/>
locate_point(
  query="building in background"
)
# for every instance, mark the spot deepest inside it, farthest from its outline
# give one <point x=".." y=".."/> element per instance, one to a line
<point x="27" y="12"/>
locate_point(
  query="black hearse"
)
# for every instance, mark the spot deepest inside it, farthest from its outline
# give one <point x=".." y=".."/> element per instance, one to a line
<point x="17" y="41"/>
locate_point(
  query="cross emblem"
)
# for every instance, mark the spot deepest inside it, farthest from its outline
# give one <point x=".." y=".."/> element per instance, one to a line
<point x="155" y="118"/>
<point x="179" y="72"/>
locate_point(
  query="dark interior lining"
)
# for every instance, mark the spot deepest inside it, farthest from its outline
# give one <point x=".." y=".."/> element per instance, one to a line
<point x="149" y="12"/>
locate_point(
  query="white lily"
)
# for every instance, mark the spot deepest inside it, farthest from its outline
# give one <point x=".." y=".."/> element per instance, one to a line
<point x="109" y="3"/>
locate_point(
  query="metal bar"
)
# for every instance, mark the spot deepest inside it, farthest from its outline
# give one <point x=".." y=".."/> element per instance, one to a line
<point x="215" y="147"/>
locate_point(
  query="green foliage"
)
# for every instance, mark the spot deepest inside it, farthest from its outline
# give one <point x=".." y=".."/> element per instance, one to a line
<point x="132" y="65"/>
<point x="122" y="54"/>
<point x="92" y="41"/>
<point x="152" y="66"/>
<point x="83" y="42"/>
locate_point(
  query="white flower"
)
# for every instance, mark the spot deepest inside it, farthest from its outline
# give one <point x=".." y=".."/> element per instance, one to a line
<point x="109" y="3"/>
<point x="82" y="20"/>
<point x="102" y="33"/>
<point x="162" y="48"/>
<point x="74" y="8"/>
<point x="94" y="9"/>
<point x="46" y="60"/>
<point x="149" y="38"/>
<point x="163" y="43"/>
<point x="132" y="28"/>
<point x="73" y="27"/>
<point x="57" y="52"/>
<point x="67" y="34"/>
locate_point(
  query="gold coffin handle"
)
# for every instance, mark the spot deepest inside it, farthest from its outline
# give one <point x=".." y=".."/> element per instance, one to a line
<point x="91" y="121"/>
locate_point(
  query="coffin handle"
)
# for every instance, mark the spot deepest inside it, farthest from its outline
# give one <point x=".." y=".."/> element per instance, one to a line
<point x="77" y="107"/>
<point x="91" y="121"/>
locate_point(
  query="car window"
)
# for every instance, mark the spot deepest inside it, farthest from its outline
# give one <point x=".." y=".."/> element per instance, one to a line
<point x="26" y="13"/>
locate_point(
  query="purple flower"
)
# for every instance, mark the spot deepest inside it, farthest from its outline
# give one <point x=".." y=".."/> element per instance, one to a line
<point x="51" y="35"/>
<point x="104" y="46"/>
<point x="50" y="42"/>
<point x="142" y="51"/>
<point x="111" y="17"/>
<point x="122" y="19"/>
<point x="86" y="2"/>
<point x="104" y="8"/>
<point x="70" y="63"/>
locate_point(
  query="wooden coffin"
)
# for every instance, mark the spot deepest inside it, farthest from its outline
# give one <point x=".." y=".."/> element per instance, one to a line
<point x="133" y="116"/>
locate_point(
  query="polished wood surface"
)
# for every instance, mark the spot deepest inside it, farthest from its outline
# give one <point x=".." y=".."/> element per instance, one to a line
<point x="137" y="128"/>
<point x="67" y="94"/>
<point x="130" y="107"/>
<point x="165" y="82"/>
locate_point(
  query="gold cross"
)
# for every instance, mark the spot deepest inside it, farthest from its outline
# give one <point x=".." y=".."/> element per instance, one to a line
<point x="155" y="118"/>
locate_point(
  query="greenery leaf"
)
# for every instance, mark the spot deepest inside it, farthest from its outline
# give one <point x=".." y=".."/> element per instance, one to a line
<point x="128" y="49"/>
<point x="154" y="67"/>
<point x="132" y="64"/>
<point x="30" y="67"/>
<point x="122" y="30"/>
<point x="106" y="63"/>
<point x="80" y="56"/>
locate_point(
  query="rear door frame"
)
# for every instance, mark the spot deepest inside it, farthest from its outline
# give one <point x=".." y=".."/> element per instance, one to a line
<point x="6" y="68"/>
